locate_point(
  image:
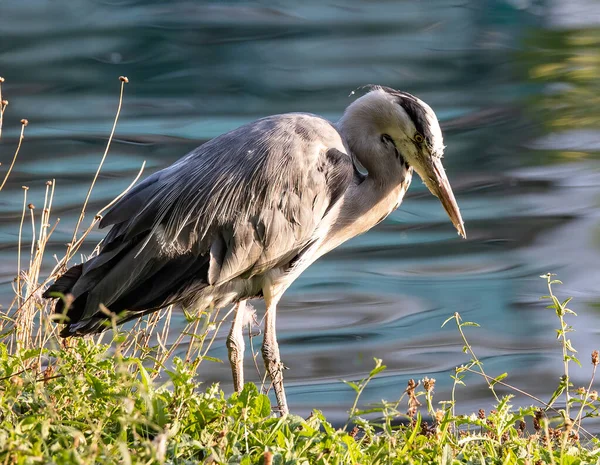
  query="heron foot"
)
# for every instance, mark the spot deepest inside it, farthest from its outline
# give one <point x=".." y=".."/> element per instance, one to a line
<point x="275" y="367"/>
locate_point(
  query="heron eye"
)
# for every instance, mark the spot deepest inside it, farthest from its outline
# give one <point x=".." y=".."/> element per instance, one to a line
<point x="419" y="138"/>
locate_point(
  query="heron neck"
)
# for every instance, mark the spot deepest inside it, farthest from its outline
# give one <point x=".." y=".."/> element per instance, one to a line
<point x="376" y="197"/>
<point x="364" y="205"/>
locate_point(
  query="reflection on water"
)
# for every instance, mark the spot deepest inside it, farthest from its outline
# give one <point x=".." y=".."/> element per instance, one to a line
<point x="514" y="83"/>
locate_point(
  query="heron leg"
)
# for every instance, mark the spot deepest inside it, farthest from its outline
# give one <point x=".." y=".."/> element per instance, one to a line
<point x="236" y="346"/>
<point x="270" y="352"/>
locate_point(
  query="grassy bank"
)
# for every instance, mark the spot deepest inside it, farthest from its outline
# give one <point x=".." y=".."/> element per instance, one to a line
<point x="88" y="404"/>
<point x="131" y="401"/>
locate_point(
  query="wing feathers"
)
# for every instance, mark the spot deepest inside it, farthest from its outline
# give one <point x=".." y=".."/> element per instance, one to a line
<point x="238" y="205"/>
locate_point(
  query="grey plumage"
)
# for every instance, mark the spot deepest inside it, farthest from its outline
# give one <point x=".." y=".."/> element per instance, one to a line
<point x="240" y="204"/>
<point x="244" y="214"/>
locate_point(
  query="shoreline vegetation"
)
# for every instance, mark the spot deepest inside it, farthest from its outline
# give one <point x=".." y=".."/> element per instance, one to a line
<point x="133" y="401"/>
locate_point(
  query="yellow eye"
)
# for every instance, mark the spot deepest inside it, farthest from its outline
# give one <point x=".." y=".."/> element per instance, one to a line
<point x="419" y="138"/>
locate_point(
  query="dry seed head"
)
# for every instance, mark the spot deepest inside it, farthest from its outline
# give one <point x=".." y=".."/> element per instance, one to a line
<point x="123" y="79"/>
<point x="594" y="396"/>
<point x="48" y="183"/>
<point x="568" y="424"/>
<point x="25" y="187"/>
<point x="580" y="391"/>
<point x="411" y="386"/>
<point x="428" y="384"/>
<point x="536" y="420"/>
<point x="595" y="358"/>
<point x="24" y="122"/>
<point x="48" y="372"/>
<point x="4" y="103"/>
<point x="481" y="414"/>
<point x="31" y="206"/>
<point x="267" y="458"/>
<point x="1" y="79"/>
<point x="439" y="415"/>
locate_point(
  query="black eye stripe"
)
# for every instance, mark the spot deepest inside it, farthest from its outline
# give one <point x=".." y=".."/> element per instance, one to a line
<point x="414" y="110"/>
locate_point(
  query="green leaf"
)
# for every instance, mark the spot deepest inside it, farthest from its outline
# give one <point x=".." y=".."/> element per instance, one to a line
<point x="498" y="378"/>
<point x="378" y="368"/>
<point x="262" y="406"/>
<point x="470" y="323"/>
<point x="353" y="385"/>
<point x="250" y="391"/>
<point x="569" y="346"/>
<point x="559" y="390"/>
<point x="161" y="411"/>
<point x="411" y="438"/>
<point x="146" y="380"/>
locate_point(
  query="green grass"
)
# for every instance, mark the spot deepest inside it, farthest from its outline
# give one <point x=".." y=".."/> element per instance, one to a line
<point x="86" y="404"/>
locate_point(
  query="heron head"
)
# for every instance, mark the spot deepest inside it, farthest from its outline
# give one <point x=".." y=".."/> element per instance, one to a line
<point x="405" y="128"/>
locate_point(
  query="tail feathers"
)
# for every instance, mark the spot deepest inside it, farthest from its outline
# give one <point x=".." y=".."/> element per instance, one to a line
<point x="63" y="285"/>
<point x="88" y="326"/>
<point x="130" y="285"/>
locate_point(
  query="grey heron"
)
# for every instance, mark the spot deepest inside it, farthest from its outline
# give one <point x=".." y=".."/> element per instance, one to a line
<point x="241" y="216"/>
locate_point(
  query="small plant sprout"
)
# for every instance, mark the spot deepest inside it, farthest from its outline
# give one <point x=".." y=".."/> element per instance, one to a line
<point x="24" y="124"/>
<point x="568" y="351"/>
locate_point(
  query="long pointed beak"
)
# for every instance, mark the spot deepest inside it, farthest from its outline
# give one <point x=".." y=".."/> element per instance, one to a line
<point x="436" y="180"/>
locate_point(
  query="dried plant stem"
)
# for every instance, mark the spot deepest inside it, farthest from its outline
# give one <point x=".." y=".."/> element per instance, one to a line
<point x="31" y="253"/>
<point x="579" y="417"/>
<point x="27" y="310"/>
<point x="19" y="293"/>
<point x="123" y="80"/>
<point x="118" y="197"/>
<point x="502" y="383"/>
<point x="188" y="352"/>
<point x="168" y="351"/>
<point x="24" y="123"/>
<point x="62" y="262"/>
<point x="216" y="330"/>
<point x="167" y="325"/>
<point x="254" y="354"/>
<point x="2" y="106"/>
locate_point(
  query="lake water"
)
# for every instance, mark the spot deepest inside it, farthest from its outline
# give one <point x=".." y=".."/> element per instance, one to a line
<point x="515" y="84"/>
